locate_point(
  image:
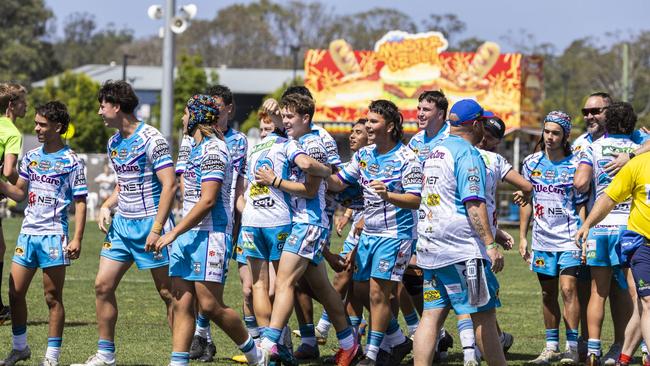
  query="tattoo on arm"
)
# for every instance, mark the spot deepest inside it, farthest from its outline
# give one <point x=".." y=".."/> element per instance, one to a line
<point x="478" y="226"/>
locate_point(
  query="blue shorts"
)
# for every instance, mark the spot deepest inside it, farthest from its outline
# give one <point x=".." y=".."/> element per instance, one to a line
<point x="239" y="255"/>
<point x="126" y="239"/>
<point x="553" y="263"/>
<point x="603" y="248"/>
<point x="200" y="255"/>
<point x="349" y="244"/>
<point x="640" y="265"/>
<point x="381" y="258"/>
<point x="447" y="287"/>
<point x="41" y="251"/>
<point x="307" y="241"/>
<point x="263" y="242"/>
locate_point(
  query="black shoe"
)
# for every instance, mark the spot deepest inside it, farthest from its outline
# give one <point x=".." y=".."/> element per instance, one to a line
<point x="446" y="342"/>
<point x="197" y="348"/>
<point x="366" y="362"/>
<point x="383" y="358"/>
<point x="400" y="351"/>
<point x="5" y="314"/>
<point x="208" y="354"/>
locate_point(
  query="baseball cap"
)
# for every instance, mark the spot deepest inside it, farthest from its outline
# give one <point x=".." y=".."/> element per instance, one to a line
<point x="465" y="110"/>
<point x="495" y="126"/>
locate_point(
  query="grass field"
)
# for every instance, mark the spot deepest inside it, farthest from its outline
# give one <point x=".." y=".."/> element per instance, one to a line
<point x="143" y="337"/>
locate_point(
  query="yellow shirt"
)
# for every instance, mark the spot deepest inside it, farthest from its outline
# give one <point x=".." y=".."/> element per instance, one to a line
<point x="634" y="180"/>
<point x="10" y="138"/>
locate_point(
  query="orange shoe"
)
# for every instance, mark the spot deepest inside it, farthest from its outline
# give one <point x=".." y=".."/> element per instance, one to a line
<point x="347" y="357"/>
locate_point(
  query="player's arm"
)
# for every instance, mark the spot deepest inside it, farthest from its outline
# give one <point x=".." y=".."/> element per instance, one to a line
<point x="403" y="200"/>
<point x="343" y="220"/>
<point x="518" y="181"/>
<point x="621" y="159"/>
<point x="17" y="191"/>
<point x="311" y="166"/>
<point x="167" y="179"/>
<point x="478" y="217"/>
<point x="582" y="178"/>
<point x="104" y="218"/>
<point x="9" y="169"/>
<point x="525" y="213"/>
<point x="74" y="246"/>
<point x="309" y="189"/>
<point x="335" y="183"/>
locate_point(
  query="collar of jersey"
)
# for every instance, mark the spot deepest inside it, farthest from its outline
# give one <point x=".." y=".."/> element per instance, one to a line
<point x="135" y="133"/>
<point x="391" y="151"/>
<point x="61" y="150"/>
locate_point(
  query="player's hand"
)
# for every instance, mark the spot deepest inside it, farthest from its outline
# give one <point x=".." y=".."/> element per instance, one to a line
<point x="504" y="239"/>
<point x="615" y="165"/>
<point x="380" y="188"/>
<point x="272" y="108"/>
<point x="104" y="219"/>
<point x="335" y="261"/>
<point x="581" y="236"/>
<point x="523" y="250"/>
<point x="358" y="228"/>
<point x="520" y="198"/>
<point x="163" y="241"/>
<point x="349" y="260"/>
<point x="341" y="223"/>
<point x="265" y="176"/>
<point x="150" y="244"/>
<point x="73" y="249"/>
<point x="496" y="258"/>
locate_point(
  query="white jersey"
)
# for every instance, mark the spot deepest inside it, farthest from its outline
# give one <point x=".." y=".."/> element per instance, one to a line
<point x="269" y="206"/>
<point x="209" y="161"/>
<point x="496" y="169"/>
<point x="555" y="201"/>
<point x="422" y="145"/>
<point x="54" y="179"/>
<point x="310" y="210"/>
<point x="454" y="174"/>
<point x="401" y="171"/>
<point x="329" y="143"/>
<point x="581" y="143"/>
<point x="136" y="160"/>
<point x="598" y="154"/>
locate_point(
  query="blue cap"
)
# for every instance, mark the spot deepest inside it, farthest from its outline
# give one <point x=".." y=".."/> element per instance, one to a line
<point x="465" y="110"/>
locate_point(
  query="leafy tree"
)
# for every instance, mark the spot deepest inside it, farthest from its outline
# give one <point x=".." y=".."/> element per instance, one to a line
<point x="190" y="79"/>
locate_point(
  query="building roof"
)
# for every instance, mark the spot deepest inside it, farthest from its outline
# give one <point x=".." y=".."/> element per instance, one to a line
<point x="241" y="81"/>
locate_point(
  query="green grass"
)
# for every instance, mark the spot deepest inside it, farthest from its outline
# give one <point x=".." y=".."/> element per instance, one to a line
<point x="143" y="337"/>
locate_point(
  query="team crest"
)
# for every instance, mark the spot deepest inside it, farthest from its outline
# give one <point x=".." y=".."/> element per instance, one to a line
<point x="536" y="173"/>
<point x="282" y="236"/>
<point x="54" y="253"/>
<point x="107" y="245"/>
<point x="113" y="153"/>
<point x="19" y="251"/>
<point x="197" y="267"/>
<point x="539" y="262"/>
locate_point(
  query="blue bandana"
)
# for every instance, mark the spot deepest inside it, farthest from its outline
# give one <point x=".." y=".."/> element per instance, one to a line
<point x="562" y="119"/>
<point x="203" y="109"/>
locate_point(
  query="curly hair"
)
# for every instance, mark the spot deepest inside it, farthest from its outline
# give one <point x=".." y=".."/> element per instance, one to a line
<point x="391" y="114"/>
<point x="220" y="91"/>
<point x="55" y="112"/>
<point x="620" y="118"/>
<point x="298" y="103"/>
<point x="119" y="92"/>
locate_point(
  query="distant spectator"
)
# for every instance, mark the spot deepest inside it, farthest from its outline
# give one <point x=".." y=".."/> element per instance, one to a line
<point x="106" y="181"/>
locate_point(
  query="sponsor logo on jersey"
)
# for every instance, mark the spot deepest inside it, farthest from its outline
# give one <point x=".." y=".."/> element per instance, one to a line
<point x="197" y="267"/>
<point x="474" y="179"/>
<point x="363" y="164"/>
<point x="437" y="154"/>
<point x="433" y="199"/>
<point x="263" y="146"/>
<point x="113" y="153"/>
<point x="282" y="236"/>
<point x="373" y="168"/>
<point x="19" y="251"/>
<point x="536" y="173"/>
<point x="549" y="174"/>
<point x="123" y="153"/>
<point x="431" y="295"/>
<point x="258" y="190"/>
<point x="539" y="262"/>
<point x="549" y="188"/>
<point x="265" y="202"/>
<point x="42" y="178"/>
<point x="45" y="165"/>
<point x="161" y="149"/>
<point x="414" y="177"/>
<point x="124" y="168"/>
<point x="54" y="253"/>
<point x="318" y="154"/>
<point x="33" y="163"/>
<point x="383" y="266"/>
<point x="213" y="162"/>
<point x="107" y="245"/>
<point x="132" y="187"/>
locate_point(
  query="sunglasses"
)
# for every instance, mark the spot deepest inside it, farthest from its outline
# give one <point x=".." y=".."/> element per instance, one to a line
<point x="592" y="111"/>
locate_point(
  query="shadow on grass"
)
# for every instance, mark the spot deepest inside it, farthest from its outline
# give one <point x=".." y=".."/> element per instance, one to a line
<point x="67" y="324"/>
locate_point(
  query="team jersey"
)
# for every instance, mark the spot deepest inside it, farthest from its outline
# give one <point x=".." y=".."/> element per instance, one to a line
<point x="583" y="141"/>
<point x="598" y="154"/>
<point x="269" y="206"/>
<point x="333" y="157"/>
<point x="454" y="173"/>
<point x="54" y="179"/>
<point x="633" y="180"/>
<point x="496" y="169"/>
<point x="136" y="160"/>
<point x="400" y="170"/>
<point x="209" y="161"/>
<point x="351" y="196"/>
<point x="423" y="145"/>
<point x="183" y="153"/>
<point x="555" y="200"/>
<point x="310" y="210"/>
<point x="10" y="139"/>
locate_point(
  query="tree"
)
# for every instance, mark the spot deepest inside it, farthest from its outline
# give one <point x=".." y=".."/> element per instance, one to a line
<point x="190" y="79"/>
<point x="363" y="29"/>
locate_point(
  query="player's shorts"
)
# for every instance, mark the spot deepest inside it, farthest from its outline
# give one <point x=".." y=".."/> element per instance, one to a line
<point x="238" y="254"/>
<point x="553" y="263"/>
<point x="126" y="239"/>
<point x="307" y="241"/>
<point x="263" y="242"/>
<point x="640" y="265"/>
<point x="447" y="287"/>
<point x="603" y="248"/>
<point x="350" y="243"/>
<point x="200" y="255"/>
<point x="41" y="251"/>
<point x="381" y="258"/>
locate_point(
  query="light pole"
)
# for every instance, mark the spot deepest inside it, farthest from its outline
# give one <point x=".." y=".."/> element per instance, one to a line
<point x="294" y="50"/>
<point x="125" y="62"/>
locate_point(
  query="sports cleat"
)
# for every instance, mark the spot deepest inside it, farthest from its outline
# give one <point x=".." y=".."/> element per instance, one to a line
<point x="347" y="357"/>
<point x="264" y="357"/>
<point x="321" y="338"/>
<point x="506" y="341"/>
<point x="400" y="351"/>
<point x="471" y="363"/>
<point x="208" y="354"/>
<point x="547" y="357"/>
<point x="570" y="357"/>
<point x="306" y="352"/>
<point x="197" y="348"/>
<point x="16" y="355"/>
<point x="582" y="350"/>
<point x="48" y="362"/>
<point x="445" y="342"/>
<point x="5" y="314"/>
<point x="366" y="361"/>
<point x="645" y="359"/>
<point x="282" y="354"/>
<point x="94" y="360"/>
<point x="592" y="360"/>
<point x="609" y="359"/>
<point x="240" y="359"/>
<point x="383" y="357"/>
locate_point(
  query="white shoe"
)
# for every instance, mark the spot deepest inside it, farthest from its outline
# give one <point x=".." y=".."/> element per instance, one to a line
<point x="94" y="360"/>
<point x="48" y="362"/>
<point x="547" y="357"/>
<point x="264" y="357"/>
<point x="610" y="358"/>
<point x="16" y="355"/>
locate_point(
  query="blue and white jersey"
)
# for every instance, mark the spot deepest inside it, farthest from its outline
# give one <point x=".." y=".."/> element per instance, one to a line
<point x="639" y="137"/>
<point x="136" y="160"/>
<point x="351" y="196"/>
<point x="496" y="169"/>
<point x="598" y="154"/>
<point x="555" y="200"/>
<point x="209" y="161"/>
<point x="401" y="171"/>
<point x="581" y="143"/>
<point x="423" y="145"/>
<point x="183" y="153"/>
<point x="333" y="157"/>
<point x="55" y="180"/>
<point x="454" y="173"/>
<point x="310" y="210"/>
<point x="269" y="206"/>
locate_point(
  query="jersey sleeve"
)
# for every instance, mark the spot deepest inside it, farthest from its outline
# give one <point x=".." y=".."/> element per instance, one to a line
<point x="239" y="158"/>
<point x="412" y="177"/>
<point x="13" y="145"/>
<point x="622" y="185"/>
<point x="639" y="137"/>
<point x="470" y="177"/>
<point x="292" y="149"/>
<point x="183" y="154"/>
<point x="79" y="183"/>
<point x="23" y="170"/>
<point x="158" y="153"/>
<point x="504" y="166"/>
<point x="350" y="172"/>
<point x="586" y="156"/>
<point x="213" y="166"/>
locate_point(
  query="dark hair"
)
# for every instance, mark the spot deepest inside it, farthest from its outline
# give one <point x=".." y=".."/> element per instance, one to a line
<point x="55" y="112"/>
<point x="299" y="103"/>
<point x="360" y="121"/>
<point x="391" y="113"/>
<point x="620" y="118"/>
<point x="220" y="91"/>
<point x="119" y="92"/>
<point x="436" y="97"/>
<point x="566" y="145"/>
<point x="606" y="97"/>
<point x="297" y="89"/>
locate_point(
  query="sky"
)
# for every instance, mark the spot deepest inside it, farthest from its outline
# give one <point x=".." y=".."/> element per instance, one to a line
<point x="554" y="21"/>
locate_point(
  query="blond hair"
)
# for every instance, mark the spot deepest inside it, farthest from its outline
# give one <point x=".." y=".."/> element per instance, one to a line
<point x="10" y="92"/>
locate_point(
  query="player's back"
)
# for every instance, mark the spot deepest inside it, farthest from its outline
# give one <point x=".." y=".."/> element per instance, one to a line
<point x="310" y="210"/>
<point x="496" y="168"/>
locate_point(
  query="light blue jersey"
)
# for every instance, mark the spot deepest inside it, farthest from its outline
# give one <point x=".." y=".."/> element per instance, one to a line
<point x="401" y="171"/>
<point x="329" y="143"/>
<point x="310" y="210"/>
<point x="422" y="145"/>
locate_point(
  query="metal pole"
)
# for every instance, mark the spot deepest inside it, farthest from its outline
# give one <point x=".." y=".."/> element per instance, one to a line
<point x="125" y="59"/>
<point x="625" y="81"/>
<point x="167" y="93"/>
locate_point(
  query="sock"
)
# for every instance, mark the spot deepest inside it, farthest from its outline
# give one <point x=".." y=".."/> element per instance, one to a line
<point x="19" y="337"/>
<point x="624" y="359"/>
<point x="308" y="335"/>
<point x="180" y="359"/>
<point x="106" y="350"/>
<point x="374" y="340"/>
<point x="572" y="339"/>
<point x="394" y="334"/>
<point x="285" y="337"/>
<point x="251" y="326"/>
<point x="270" y="338"/>
<point x="250" y="351"/>
<point x="466" y="335"/>
<point x="363" y="325"/>
<point x="324" y="324"/>
<point x="552" y="339"/>
<point x="644" y="348"/>
<point x="346" y="338"/>
<point x="203" y="327"/>
<point x="53" y="348"/>
<point x="355" y="321"/>
<point x="412" y="321"/>
<point x="593" y="347"/>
